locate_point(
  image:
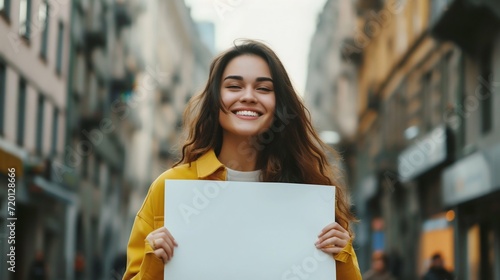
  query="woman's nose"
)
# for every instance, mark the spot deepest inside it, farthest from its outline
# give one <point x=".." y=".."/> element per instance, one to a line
<point x="248" y="95"/>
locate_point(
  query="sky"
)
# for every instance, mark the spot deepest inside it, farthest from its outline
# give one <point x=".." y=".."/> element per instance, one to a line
<point x="286" y="26"/>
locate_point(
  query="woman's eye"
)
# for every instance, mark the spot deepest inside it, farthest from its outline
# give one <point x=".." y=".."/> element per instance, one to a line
<point x="233" y="87"/>
<point x="264" y="89"/>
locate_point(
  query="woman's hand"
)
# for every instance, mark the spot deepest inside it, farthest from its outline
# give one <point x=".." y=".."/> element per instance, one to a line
<point x="163" y="243"/>
<point x="332" y="239"/>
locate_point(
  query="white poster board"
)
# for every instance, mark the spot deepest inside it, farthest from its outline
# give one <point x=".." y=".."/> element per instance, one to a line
<point x="247" y="231"/>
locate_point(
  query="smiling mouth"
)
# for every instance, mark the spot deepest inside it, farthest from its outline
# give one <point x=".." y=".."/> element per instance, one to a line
<point x="246" y="113"/>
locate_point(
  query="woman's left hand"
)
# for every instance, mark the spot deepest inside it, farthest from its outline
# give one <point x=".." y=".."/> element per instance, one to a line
<point x="333" y="238"/>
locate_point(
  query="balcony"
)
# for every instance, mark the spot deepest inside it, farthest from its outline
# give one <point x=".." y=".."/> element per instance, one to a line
<point x="91" y="120"/>
<point x="470" y="24"/>
<point x="122" y="16"/>
<point x="122" y="88"/>
<point x="166" y="95"/>
<point x="364" y="6"/>
<point x="95" y="38"/>
<point x="122" y="91"/>
<point x="350" y="52"/>
<point x="96" y="31"/>
<point x="100" y="63"/>
<point x="82" y="6"/>
<point x="111" y="150"/>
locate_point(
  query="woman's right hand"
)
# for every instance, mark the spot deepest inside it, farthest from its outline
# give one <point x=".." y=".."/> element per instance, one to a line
<point x="163" y="243"/>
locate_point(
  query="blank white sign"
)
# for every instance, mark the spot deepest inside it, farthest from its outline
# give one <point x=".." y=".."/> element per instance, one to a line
<point x="245" y="230"/>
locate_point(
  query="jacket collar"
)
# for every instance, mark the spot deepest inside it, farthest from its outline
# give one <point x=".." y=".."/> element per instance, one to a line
<point x="208" y="164"/>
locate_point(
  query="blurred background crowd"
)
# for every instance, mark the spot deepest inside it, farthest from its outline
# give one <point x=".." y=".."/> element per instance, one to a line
<point x="408" y="91"/>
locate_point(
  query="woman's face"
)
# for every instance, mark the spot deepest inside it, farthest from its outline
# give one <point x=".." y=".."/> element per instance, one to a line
<point x="247" y="93"/>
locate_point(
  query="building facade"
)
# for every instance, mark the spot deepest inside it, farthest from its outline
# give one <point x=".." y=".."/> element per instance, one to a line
<point x="422" y="159"/>
<point x="33" y="79"/>
<point x="172" y="66"/>
<point x="135" y="64"/>
<point x="332" y="71"/>
<point x="91" y="101"/>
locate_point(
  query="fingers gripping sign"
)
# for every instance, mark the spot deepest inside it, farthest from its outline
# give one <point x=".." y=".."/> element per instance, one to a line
<point x="163" y="243"/>
<point x="332" y="239"/>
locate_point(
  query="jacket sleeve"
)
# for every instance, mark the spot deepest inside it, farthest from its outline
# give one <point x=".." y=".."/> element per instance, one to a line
<point x="141" y="260"/>
<point x="346" y="263"/>
<point x="142" y="263"/>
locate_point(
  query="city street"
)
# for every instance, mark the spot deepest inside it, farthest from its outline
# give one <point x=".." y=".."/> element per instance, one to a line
<point x="92" y="111"/>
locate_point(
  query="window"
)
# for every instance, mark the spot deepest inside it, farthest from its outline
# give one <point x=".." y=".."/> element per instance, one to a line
<point x="24" y="18"/>
<point x="21" y="108"/>
<point x="39" y="125"/>
<point x="43" y="19"/>
<point x="97" y="168"/>
<point x="486" y="90"/>
<point x="55" y="123"/>
<point x="5" y="8"/>
<point x="85" y="167"/>
<point x="110" y="182"/>
<point x="426" y="107"/>
<point x="59" y="47"/>
<point x="2" y="95"/>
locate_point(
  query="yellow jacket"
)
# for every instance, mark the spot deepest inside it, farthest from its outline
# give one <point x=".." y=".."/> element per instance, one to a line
<point x="141" y="260"/>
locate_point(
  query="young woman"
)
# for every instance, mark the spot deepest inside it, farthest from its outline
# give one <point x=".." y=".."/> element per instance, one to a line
<point x="248" y="124"/>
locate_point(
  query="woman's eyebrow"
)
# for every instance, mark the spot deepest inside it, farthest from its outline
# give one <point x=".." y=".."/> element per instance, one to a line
<point x="240" y="78"/>
<point x="234" y="78"/>
<point x="263" y="79"/>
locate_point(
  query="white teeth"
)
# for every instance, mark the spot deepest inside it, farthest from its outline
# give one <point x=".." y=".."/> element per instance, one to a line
<point x="247" y="113"/>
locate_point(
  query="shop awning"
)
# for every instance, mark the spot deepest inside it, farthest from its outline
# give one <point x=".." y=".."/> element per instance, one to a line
<point x="9" y="159"/>
<point x="428" y="152"/>
<point x="472" y="177"/>
<point x="55" y="190"/>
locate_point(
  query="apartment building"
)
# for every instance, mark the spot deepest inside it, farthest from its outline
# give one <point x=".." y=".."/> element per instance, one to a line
<point x="422" y="162"/>
<point x="33" y="79"/>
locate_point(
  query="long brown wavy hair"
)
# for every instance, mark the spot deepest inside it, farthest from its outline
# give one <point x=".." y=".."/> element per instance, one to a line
<point x="290" y="151"/>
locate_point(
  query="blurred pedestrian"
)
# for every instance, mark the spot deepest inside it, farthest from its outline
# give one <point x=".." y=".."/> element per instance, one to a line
<point x="395" y="263"/>
<point x="248" y="124"/>
<point x="437" y="270"/>
<point x="379" y="269"/>
<point x="38" y="269"/>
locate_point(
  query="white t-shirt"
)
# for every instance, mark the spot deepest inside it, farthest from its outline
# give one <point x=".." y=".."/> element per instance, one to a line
<point x="243" y="176"/>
